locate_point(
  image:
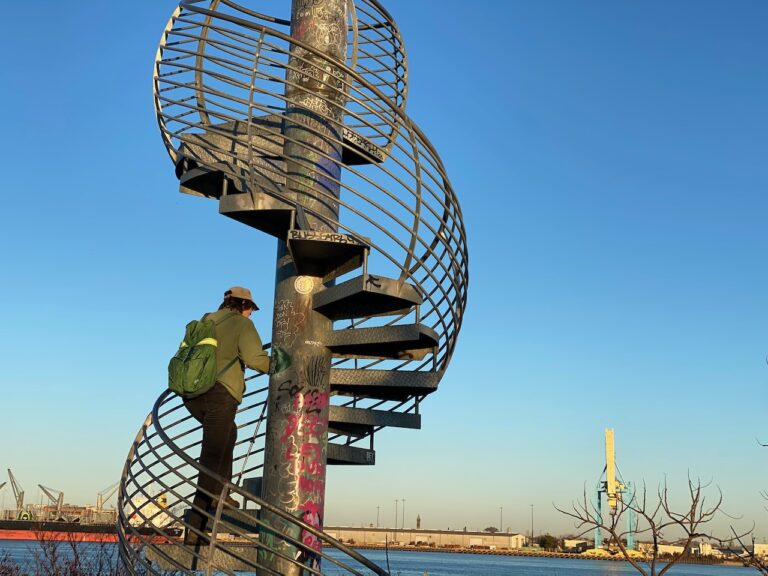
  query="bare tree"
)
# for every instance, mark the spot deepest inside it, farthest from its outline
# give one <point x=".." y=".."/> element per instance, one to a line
<point x="747" y="554"/>
<point x="654" y="520"/>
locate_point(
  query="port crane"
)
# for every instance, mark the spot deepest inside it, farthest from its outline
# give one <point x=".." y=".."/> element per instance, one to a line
<point x="59" y="511"/>
<point x="103" y="496"/>
<point x="56" y="500"/>
<point x="616" y="490"/>
<point x="18" y="493"/>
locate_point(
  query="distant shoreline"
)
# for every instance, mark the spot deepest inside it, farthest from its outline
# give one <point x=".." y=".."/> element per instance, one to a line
<point x="533" y="553"/>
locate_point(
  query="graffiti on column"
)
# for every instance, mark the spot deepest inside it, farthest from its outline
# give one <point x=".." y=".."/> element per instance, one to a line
<point x="288" y="322"/>
<point x="303" y="441"/>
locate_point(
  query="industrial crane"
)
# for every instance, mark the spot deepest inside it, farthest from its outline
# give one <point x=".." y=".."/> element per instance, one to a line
<point x="615" y="490"/>
<point x="103" y="496"/>
<point x="18" y="493"/>
<point x="57" y="501"/>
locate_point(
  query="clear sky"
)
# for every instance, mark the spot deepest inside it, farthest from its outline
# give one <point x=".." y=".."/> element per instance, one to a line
<point x="611" y="157"/>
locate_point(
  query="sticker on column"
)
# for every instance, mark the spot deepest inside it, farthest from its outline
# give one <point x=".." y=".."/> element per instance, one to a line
<point x="303" y="285"/>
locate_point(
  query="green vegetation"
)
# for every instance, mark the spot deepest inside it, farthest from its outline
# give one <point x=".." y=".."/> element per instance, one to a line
<point x="548" y="542"/>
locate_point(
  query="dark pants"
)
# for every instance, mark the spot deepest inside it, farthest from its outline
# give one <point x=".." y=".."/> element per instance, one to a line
<point x="215" y="410"/>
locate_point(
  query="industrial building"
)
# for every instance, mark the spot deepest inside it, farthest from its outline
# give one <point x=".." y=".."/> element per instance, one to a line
<point x="427" y="538"/>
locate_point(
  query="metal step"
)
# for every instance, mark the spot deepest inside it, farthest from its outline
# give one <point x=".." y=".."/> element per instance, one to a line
<point x="343" y="454"/>
<point x="361" y="421"/>
<point x="246" y="152"/>
<point x="325" y="254"/>
<point x="400" y="342"/>
<point x="366" y="296"/>
<point x="261" y="211"/>
<point x="383" y="384"/>
<point x="239" y="150"/>
<point x="202" y="182"/>
<point x="359" y="150"/>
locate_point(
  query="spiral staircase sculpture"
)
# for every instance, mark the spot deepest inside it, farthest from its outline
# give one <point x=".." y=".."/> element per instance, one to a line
<point x="394" y="264"/>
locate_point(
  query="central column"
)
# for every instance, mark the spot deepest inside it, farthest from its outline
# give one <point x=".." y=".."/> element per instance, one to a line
<point x="299" y="390"/>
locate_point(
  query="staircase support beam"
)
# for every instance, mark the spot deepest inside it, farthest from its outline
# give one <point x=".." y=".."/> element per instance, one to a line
<point x="297" y="419"/>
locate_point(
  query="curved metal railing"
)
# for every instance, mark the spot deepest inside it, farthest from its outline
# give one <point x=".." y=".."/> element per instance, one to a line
<point x="225" y="111"/>
<point x="158" y="486"/>
<point x="218" y="43"/>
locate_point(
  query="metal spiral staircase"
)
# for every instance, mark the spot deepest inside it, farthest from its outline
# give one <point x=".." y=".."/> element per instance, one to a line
<point x="394" y="264"/>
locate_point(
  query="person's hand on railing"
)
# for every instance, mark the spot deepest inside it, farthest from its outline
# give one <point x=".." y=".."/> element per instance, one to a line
<point x="281" y="360"/>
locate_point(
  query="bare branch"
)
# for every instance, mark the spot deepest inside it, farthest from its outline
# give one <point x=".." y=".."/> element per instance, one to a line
<point x="748" y="555"/>
<point x="652" y="520"/>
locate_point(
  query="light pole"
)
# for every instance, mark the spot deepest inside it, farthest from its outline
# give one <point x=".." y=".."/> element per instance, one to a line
<point x="501" y="518"/>
<point x="377" y="516"/>
<point x="531" y="524"/>
<point x="403" y="514"/>
<point x="396" y="501"/>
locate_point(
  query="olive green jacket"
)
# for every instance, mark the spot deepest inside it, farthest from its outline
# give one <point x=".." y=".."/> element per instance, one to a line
<point x="237" y="338"/>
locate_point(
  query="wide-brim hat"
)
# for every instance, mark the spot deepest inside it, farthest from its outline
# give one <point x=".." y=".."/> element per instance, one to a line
<point x="242" y="293"/>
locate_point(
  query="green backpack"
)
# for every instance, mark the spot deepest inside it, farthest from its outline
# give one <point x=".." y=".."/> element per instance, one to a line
<point x="192" y="370"/>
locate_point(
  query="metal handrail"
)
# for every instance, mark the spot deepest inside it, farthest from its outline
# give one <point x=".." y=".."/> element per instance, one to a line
<point x="131" y="487"/>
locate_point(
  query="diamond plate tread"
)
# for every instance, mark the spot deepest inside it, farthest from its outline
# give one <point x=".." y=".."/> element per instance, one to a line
<point x="228" y="142"/>
<point x="383" y="384"/>
<point x="366" y="296"/>
<point x="248" y="152"/>
<point x="359" y="418"/>
<point x="400" y="342"/>
<point x="228" y="147"/>
<point x="325" y="254"/>
<point x="342" y="454"/>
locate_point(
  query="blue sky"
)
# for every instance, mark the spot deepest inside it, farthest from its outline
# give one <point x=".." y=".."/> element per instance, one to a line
<point x="610" y="158"/>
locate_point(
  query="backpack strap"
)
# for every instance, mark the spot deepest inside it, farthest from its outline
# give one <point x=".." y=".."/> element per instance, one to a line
<point x="232" y="314"/>
<point x="235" y="359"/>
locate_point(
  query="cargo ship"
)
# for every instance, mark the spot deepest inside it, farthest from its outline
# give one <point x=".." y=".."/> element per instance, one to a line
<point x="59" y="521"/>
<point x="76" y="531"/>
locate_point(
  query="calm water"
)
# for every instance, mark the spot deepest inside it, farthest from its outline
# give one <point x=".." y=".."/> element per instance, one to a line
<point x="435" y="563"/>
<point x="446" y="564"/>
<point x="29" y="554"/>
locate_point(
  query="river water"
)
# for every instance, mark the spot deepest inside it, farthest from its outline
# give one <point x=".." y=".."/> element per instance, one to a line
<point x="407" y="563"/>
<point x="448" y="564"/>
